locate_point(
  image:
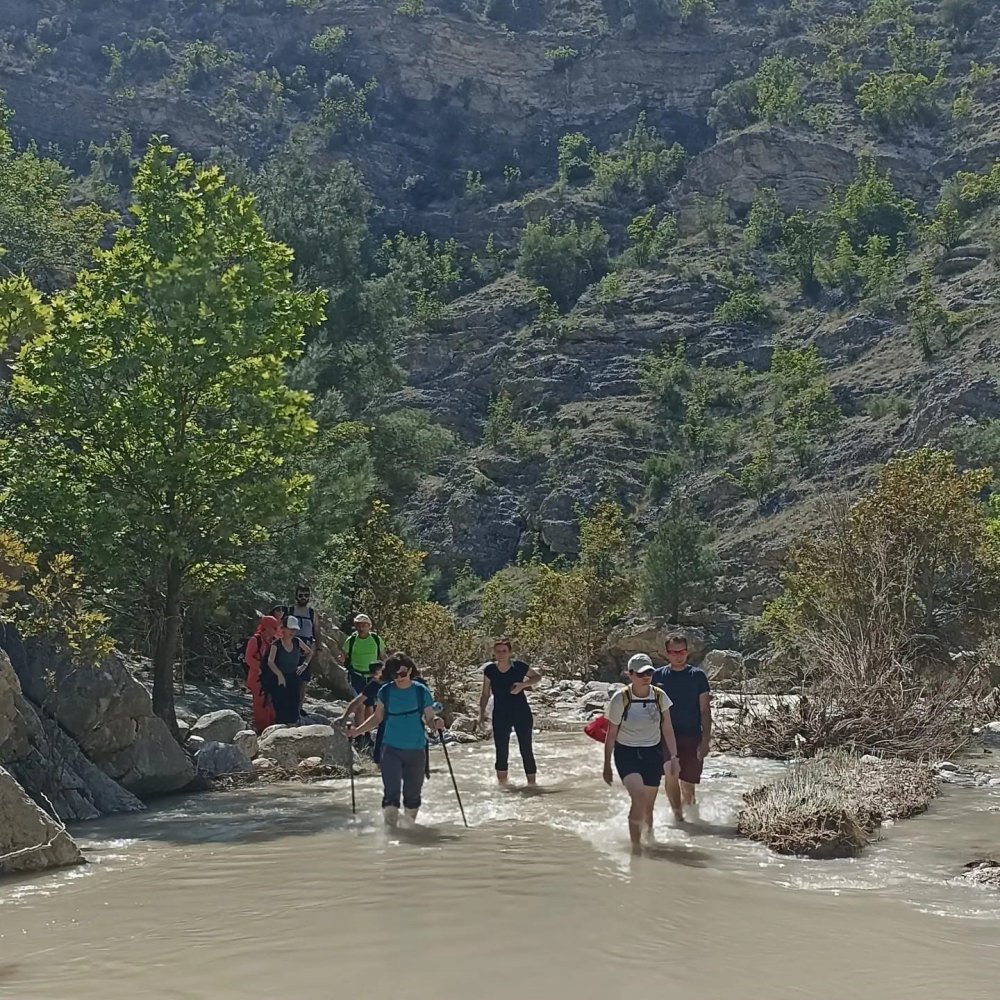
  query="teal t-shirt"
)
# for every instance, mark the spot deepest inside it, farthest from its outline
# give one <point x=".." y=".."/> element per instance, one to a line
<point x="404" y="708"/>
<point x="364" y="652"/>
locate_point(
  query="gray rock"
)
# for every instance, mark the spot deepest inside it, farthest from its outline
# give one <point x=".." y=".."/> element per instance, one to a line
<point x="214" y="759"/>
<point x="48" y="764"/>
<point x="110" y="715"/>
<point x="947" y="765"/>
<point x="218" y="727"/>
<point x="723" y="665"/>
<point x="246" y="740"/>
<point x="287" y="747"/>
<point x="30" y="839"/>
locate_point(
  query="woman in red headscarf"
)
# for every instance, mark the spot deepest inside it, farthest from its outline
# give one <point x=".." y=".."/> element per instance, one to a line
<point x="257" y="647"/>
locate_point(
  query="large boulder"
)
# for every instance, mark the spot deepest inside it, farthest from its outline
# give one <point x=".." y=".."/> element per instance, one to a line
<point x="30" y="839"/>
<point x="110" y="715"/>
<point x="218" y="727"/>
<point x="642" y="635"/>
<point x="215" y="759"/>
<point x="48" y="764"/>
<point x="722" y="665"/>
<point x="288" y="747"/>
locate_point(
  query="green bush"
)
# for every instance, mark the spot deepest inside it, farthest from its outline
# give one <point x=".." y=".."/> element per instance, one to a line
<point x="564" y="262"/>
<point x="871" y="206"/>
<point x="933" y="327"/>
<point x="899" y="98"/>
<point x="575" y="151"/>
<point x="778" y="90"/>
<point x="733" y="106"/>
<point x="562" y="57"/>
<point x="763" y="228"/>
<point x="329" y="40"/>
<point x="650" y="242"/>
<point x="644" y="165"/>
<point x="744" y="307"/>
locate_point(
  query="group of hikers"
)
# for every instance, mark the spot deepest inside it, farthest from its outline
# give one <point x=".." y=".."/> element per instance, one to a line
<point x="657" y="728"/>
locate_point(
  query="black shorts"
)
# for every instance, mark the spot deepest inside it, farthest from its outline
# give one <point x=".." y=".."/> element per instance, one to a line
<point x="645" y="761"/>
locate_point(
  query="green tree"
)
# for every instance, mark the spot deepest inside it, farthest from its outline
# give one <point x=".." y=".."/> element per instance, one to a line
<point x="679" y="565"/>
<point x="801" y="242"/>
<point x="43" y="235"/>
<point x="158" y="394"/>
<point x="933" y="327"/>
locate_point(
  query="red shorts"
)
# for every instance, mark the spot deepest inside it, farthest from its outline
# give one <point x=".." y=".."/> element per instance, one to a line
<point x="687" y="754"/>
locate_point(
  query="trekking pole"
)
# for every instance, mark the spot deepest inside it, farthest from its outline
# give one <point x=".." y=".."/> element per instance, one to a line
<point x="454" y="783"/>
<point x="350" y="746"/>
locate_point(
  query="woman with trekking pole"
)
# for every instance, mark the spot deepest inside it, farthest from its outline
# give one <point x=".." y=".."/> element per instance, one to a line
<point x="405" y="705"/>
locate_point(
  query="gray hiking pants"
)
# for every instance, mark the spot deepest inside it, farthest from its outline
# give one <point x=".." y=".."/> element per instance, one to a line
<point x="402" y="769"/>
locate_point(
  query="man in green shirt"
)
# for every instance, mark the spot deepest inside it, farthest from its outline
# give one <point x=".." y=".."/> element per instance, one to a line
<point x="362" y="648"/>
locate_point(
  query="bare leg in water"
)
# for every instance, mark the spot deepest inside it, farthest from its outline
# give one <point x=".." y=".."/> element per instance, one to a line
<point x="640" y="815"/>
<point x="673" y="789"/>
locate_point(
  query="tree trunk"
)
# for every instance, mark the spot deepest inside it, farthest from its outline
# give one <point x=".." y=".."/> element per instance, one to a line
<point x="166" y="650"/>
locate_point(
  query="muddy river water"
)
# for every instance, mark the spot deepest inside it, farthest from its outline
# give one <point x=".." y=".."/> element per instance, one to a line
<point x="281" y="892"/>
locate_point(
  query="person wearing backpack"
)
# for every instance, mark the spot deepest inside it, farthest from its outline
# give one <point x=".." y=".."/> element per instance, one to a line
<point x="288" y="659"/>
<point x="303" y="610"/>
<point x="406" y="706"/>
<point x="507" y="680"/>
<point x="253" y="656"/>
<point x="639" y="728"/>
<point x="361" y="649"/>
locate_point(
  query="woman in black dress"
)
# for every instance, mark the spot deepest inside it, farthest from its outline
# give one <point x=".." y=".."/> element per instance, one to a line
<point x="507" y="680"/>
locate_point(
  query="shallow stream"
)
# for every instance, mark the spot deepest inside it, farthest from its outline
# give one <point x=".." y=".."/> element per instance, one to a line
<point x="280" y="891"/>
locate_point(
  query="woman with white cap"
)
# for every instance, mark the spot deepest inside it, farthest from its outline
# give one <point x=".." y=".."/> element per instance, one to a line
<point x="641" y="740"/>
<point x="287" y="660"/>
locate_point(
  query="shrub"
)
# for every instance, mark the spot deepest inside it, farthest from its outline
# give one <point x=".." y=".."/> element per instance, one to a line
<point x="329" y="40"/>
<point x="880" y="271"/>
<point x="575" y="151"/>
<point x="932" y="326"/>
<point x="661" y="472"/>
<point x="562" y="57"/>
<point x="778" y="90"/>
<point x="644" y="164"/>
<point x="880" y="407"/>
<point x="505" y="598"/>
<point x="650" y="242"/>
<point x="428" y="271"/>
<point x="712" y="215"/>
<point x="695" y="10"/>
<point x="801" y="242"/>
<point x="871" y="206"/>
<point x="899" y="98"/>
<point x="563" y="262"/>
<point x="763" y="228"/>
<point x="744" y="307"/>
<point x="800" y="392"/>
<point x="733" y="105"/>
<point x="762" y="474"/>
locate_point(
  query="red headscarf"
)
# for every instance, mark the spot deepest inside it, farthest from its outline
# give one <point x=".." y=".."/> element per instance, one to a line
<point x="267" y="623"/>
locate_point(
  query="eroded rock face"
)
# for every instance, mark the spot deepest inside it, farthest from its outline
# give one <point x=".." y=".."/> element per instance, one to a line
<point x="110" y="715"/>
<point x="30" y="840"/>
<point x="288" y="747"/>
<point x="47" y="762"/>
<point x="639" y="635"/>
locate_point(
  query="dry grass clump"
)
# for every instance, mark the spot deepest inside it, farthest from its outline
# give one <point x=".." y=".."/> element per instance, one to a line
<point x="831" y="806"/>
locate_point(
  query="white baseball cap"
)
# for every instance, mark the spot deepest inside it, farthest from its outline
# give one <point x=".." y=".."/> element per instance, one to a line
<point x="291" y="622"/>
<point x="640" y="664"/>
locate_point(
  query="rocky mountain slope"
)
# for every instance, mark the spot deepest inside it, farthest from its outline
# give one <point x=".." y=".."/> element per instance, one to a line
<point x="468" y="103"/>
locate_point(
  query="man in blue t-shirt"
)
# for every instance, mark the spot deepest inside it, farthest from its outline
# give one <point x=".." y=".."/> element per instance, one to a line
<point x="690" y="695"/>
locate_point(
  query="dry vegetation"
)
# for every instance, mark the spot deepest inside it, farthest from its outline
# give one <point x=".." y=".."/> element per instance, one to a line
<point x="832" y="806"/>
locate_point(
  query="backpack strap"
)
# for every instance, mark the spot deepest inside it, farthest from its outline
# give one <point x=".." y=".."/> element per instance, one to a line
<point x="627" y="698"/>
<point x="349" y="648"/>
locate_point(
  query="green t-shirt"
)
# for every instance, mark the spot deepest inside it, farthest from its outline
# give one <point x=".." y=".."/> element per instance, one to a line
<point x="364" y="652"/>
